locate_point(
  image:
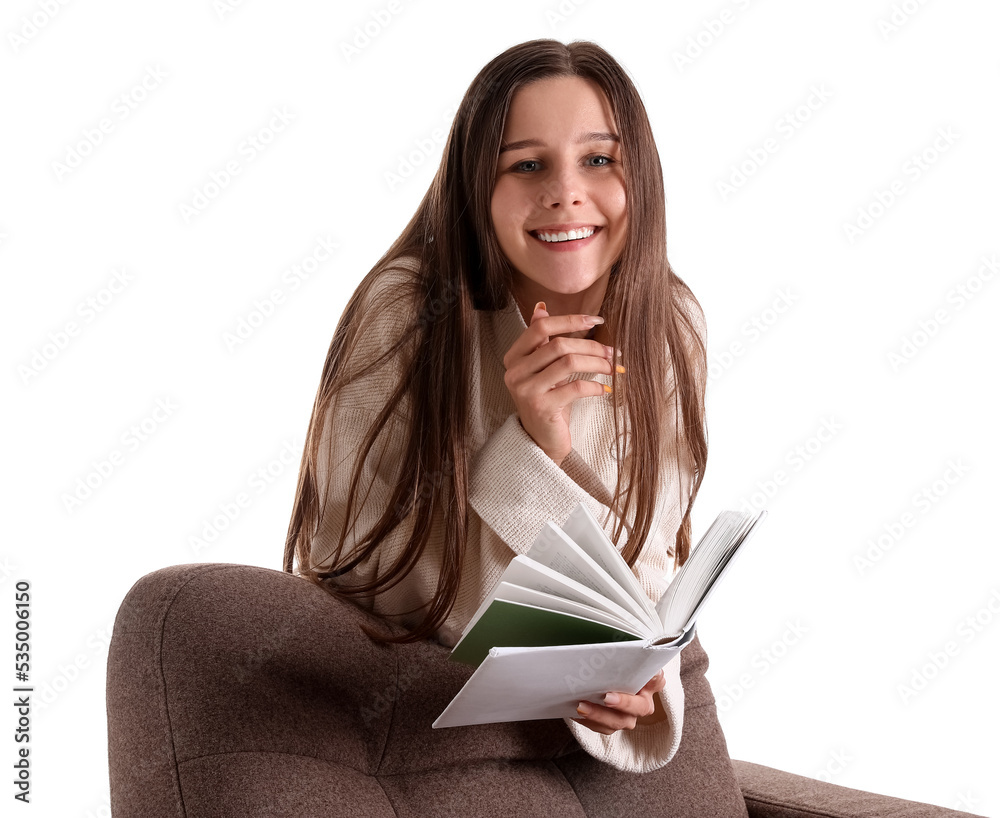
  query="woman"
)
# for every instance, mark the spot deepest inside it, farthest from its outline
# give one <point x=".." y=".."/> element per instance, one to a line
<point x="523" y="346"/>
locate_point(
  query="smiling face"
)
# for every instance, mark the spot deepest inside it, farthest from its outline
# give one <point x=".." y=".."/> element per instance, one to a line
<point x="558" y="203"/>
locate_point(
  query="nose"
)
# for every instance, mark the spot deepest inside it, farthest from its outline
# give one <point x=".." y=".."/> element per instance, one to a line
<point x="564" y="186"/>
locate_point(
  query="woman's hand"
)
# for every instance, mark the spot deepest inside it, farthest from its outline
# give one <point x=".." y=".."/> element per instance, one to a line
<point x="622" y="711"/>
<point x="539" y="365"/>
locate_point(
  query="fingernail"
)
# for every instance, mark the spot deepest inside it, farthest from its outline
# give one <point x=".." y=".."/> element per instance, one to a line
<point x="612" y="698"/>
<point x="540" y="306"/>
<point x="592" y="320"/>
<point x="619" y="368"/>
<point x="608" y="389"/>
<point x="609" y="352"/>
<point x="584" y="708"/>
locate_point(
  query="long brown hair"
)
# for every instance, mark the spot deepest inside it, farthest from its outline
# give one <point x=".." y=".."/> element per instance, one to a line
<point x="648" y="308"/>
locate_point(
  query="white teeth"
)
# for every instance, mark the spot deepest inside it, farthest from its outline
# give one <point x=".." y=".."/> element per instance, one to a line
<point x="572" y="235"/>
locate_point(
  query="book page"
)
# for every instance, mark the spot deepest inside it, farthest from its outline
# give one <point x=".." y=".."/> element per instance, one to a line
<point x="528" y="573"/>
<point x="583" y="528"/>
<point x="691" y="586"/>
<point x="554" y="549"/>
<point x="539" y="599"/>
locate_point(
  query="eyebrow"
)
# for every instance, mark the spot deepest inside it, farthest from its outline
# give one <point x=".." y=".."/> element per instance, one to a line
<point x="593" y="136"/>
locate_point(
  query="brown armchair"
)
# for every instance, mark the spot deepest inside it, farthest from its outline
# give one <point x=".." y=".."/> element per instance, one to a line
<point x="241" y="691"/>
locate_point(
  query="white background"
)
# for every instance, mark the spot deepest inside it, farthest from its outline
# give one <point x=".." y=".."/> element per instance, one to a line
<point x="809" y="648"/>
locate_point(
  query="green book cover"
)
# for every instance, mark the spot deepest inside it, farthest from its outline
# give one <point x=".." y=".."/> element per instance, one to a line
<point x="510" y="624"/>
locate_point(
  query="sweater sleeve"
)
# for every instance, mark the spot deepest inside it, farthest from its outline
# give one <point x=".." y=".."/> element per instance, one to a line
<point x="516" y="489"/>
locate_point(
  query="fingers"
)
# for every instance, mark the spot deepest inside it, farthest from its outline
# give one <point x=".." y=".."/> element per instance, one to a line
<point x="623" y="716"/>
<point x="540" y="366"/>
<point x="544" y="324"/>
<point x="540" y="351"/>
<point x="604" y="720"/>
<point x="540" y="312"/>
<point x="545" y="328"/>
<point x="621" y="711"/>
<point x="555" y="362"/>
<point x="540" y="381"/>
<point x="529" y="378"/>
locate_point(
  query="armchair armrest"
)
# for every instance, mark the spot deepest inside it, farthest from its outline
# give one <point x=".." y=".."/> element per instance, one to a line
<point x="772" y="793"/>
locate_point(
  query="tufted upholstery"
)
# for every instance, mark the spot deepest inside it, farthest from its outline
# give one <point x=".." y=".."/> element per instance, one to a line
<point x="235" y="690"/>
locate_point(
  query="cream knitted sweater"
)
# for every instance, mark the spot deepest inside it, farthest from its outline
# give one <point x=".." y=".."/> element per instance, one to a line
<point x="515" y="488"/>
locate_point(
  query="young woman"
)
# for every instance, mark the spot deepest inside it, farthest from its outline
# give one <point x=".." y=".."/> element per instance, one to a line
<point x="523" y="346"/>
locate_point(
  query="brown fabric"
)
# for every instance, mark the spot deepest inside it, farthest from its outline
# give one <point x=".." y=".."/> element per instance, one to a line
<point x="498" y="789"/>
<point x="698" y="782"/>
<point x="213" y="667"/>
<point x="774" y="794"/>
<point x="271" y="784"/>
<point x="241" y="691"/>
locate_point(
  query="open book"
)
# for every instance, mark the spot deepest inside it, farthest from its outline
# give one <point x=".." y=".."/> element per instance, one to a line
<point x="569" y="621"/>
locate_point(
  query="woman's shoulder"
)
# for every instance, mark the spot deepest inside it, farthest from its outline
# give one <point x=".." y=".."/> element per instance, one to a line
<point x="390" y="293"/>
<point x="376" y="331"/>
<point x="384" y="307"/>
